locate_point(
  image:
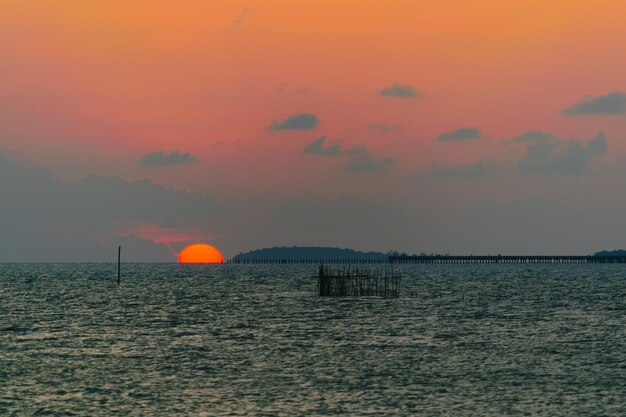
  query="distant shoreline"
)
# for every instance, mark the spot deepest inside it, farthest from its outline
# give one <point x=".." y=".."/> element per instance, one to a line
<point x="310" y="255"/>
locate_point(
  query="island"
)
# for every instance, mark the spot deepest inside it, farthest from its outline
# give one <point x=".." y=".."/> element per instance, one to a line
<point x="299" y="253"/>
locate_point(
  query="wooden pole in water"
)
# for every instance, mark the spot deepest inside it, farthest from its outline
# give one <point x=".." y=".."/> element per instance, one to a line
<point x="119" y="254"/>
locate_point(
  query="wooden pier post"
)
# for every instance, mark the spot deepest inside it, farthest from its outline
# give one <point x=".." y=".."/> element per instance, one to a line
<point x="119" y="255"/>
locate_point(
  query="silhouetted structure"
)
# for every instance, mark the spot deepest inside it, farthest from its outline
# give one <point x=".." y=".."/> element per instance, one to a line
<point x="412" y="259"/>
<point x="357" y="282"/>
<point x="119" y="268"/>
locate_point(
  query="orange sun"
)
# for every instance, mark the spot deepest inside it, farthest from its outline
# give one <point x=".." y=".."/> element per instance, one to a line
<point x="200" y="253"/>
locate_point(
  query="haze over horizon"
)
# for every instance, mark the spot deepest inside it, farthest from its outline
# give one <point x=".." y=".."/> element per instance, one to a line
<point x="455" y="127"/>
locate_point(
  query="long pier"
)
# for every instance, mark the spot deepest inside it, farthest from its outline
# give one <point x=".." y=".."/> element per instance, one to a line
<point x="501" y="259"/>
<point x="409" y="259"/>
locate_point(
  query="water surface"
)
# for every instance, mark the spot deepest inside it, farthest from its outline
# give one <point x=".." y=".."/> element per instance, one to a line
<point x="462" y="340"/>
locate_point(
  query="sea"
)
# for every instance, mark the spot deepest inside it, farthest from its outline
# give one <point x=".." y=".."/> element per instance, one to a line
<point x="234" y="340"/>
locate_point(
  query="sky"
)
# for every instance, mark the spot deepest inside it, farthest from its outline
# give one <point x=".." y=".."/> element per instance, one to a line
<point x="462" y="127"/>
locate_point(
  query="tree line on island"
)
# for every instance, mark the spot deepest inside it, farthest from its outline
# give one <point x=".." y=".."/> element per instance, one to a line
<point x="618" y="252"/>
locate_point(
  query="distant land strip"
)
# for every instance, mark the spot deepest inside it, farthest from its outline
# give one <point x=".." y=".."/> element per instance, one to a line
<point x="447" y="259"/>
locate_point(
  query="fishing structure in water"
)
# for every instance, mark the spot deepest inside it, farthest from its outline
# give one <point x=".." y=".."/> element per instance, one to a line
<point x="352" y="281"/>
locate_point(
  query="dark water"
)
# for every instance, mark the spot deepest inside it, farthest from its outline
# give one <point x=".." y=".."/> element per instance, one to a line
<point x="463" y="340"/>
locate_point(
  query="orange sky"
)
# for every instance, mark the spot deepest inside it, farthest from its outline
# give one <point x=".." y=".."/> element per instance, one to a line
<point x="94" y="86"/>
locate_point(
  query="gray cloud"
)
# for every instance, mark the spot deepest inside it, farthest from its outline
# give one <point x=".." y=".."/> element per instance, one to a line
<point x="552" y="156"/>
<point x="242" y="16"/>
<point x="317" y="147"/>
<point x="347" y="222"/>
<point x="545" y="155"/>
<point x="360" y="159"/>
<point x="400" y="91"/>
<point x="533" y="136"/>
<point x="160" y="158"/>
<point x="480" y="169"/>
<point x="8" y="152"/>
<point x="282" y="88"/>
<point x="383" y="127"/>
<point x="285" y="88"/>
<point x="300" y="121"/>
<point x="464" y="133"/>
<point x="46" y="219"/>
<point x="608" y="105"/>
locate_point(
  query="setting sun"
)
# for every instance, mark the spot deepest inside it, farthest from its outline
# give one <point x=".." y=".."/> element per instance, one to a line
<point x="200" y="253"/>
